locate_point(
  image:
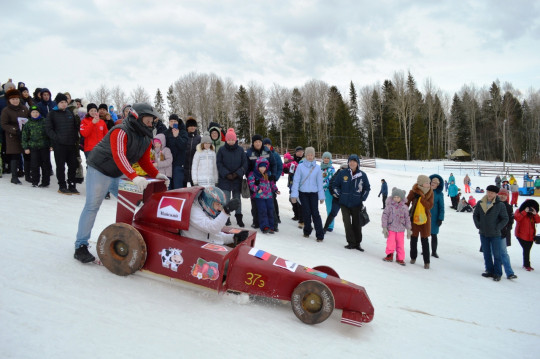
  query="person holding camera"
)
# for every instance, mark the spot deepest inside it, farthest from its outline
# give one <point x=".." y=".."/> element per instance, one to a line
<point x="176" y="137"/>
<point x="526" y="217"/>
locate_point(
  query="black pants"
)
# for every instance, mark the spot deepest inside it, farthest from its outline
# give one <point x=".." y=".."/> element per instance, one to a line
<point x="384" y="197"/>
<point x="254" y="211"/>
<point x="526" y="245"/>
<point x="66" y="154"/>
<point x="310" y="209"/>
<point x="425" y="248"/>
<point x="40" y="159"/>
<point x="351" y="222"/>
<point x="455" y="201"/>
<point x="434" y="243"/>
<point x="297" y="210"/>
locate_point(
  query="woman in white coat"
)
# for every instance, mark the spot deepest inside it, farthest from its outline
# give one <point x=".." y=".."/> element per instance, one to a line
<point x="204" y="169"/>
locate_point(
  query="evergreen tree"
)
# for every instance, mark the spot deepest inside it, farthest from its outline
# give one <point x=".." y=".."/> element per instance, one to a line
<point x="289" y="139"/>
<point x="241" y="106"/>
<point x="393" y="141"/>
<point x="159" y="103"/>
<point x="172" y="101"/>
<point x="459" y="125"/>
<point x="296" y="126"/>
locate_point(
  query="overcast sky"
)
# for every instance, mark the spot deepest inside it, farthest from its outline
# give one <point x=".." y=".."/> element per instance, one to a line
<point x="77" y="46"/>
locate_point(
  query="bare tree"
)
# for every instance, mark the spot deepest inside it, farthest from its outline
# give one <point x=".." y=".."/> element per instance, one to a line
<point x="400" y="107"/>
<point x="139" y="94"/>
<point x="277" y="96"/>
<point x="119" y="98"/>
<point x="315" y="94"/>
<point x="101" y="95"/>
<point x="366" y="110"/>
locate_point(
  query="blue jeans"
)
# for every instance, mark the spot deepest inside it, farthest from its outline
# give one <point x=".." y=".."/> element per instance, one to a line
<point x="491" y="247"/>
<point x="505" y="258"/>
<point x="235" y="194"/>
<point x="178" y="177"/>
<point x="310" y="209"/>
<point x="97" y="186"/>
<point x="328" y="201"/>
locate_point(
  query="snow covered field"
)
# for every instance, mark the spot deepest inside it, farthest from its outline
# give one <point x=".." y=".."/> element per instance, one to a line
<point x="52" y="306"/>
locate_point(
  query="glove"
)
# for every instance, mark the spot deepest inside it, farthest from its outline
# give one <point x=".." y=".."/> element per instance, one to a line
<point x="385" y="232"/>
<point x="257" y="182"/>
<point x="293" y="200"/>
<point x="232" y="205"/>
<point x="439" y="223"/>
<point x="409" y="234"/>
<point x="416" y="195"/>
<point x="140" y="182"/>
<point x="230" y="176"/>
<point x="163" y="177"/>
<point x="272" y="178"/>
<point x="379" y="195"/>
<point x="240" y="237"/>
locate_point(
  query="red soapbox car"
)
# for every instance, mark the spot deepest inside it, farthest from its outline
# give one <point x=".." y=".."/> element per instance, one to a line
<point x="150" y="239"/>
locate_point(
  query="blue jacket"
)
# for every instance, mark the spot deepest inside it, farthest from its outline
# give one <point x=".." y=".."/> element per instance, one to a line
<point x="252" y="155"/>
<point x="279" y="164"/>
<point x="437" y="211"/>
<point x="308" y="178"/>
<point x="453" y="190"/>
<point x="351" y="188"/>
<point x="384" y="189"/>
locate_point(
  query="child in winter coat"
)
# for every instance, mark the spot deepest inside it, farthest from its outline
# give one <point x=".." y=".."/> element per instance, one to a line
<point x="162" y="156"/>
<point x="204" y="169"/>
<point x="36" y="143"/>
<point x="395" y="220"/>
<point x="471" y="201"/>
<point x="262" y="188"/>
<point x="526" y="217"/>
<point x="463" y="206"/>
<point x="327" y="172"/>
<point x="514" y="188"/>
<point x="92" y="129"/>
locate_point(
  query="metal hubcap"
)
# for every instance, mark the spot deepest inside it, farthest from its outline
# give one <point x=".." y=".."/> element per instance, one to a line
<point x="312" y="303"/>
<point x="121" y="248"/>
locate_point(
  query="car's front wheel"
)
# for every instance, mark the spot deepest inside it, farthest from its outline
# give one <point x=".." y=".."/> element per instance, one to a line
<point x="312" y="302"/>
<point x="121" y="248"/>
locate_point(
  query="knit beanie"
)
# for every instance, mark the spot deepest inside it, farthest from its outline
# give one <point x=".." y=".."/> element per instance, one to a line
<point x="326" y="155"/>
<point x="91" y="106"/>
<point x="399" y="193"/>
<point x="191" y="122"/>
<point x="22" y="89"/>
<point x="267" y="141"/>
<point x="174" y="117"/>
<point x="60" y="97"/>
<point x="103" y="106"/>
<point x="287" y="156"/>
<point x="310" y="151"/>
<point x="256" y="138"/>
<point x="298" y="148"/>
<point x="231" y="135"/>
<point x="206" y="138"/>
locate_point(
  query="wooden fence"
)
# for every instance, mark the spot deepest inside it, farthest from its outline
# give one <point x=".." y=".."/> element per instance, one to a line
<point x="493" y="170"/>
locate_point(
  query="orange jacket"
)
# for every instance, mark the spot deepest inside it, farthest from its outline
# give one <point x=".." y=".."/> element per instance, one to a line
<point x="92" y="132"/>
<point x="525" y="225"/>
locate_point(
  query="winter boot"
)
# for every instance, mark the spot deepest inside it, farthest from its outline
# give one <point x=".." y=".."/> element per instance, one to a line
<point x="82" y="255"/>
<point x="73" y="189"/>
<point x="400" y="262"/>
<point x="64" y="190"/>
<point x="14" y="177"/>
<point x="434" y="243"/>
<point x="239" y="220"/>
<point x="389" y="258"/>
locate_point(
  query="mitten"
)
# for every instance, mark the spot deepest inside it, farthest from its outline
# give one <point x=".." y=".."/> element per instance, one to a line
<point x="165" y="178"/>
<point x="416" y="195"/>
<point x="140" y="182"/>
<point x="240" y="237"/>
<point x="232" y="205"/>
<point x="230" y="176"/>
<point x="385" y="232"/>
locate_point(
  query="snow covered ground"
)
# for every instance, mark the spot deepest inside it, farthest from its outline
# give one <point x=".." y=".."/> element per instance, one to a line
<point x="52" y="306"/>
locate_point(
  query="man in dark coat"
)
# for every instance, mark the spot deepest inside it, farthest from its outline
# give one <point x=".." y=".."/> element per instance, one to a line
<point x="352" y="188"/>
<point x="176" y="137"/>
<point x="232" y="166"/>
<point x="383" y="192"/>
<point x="46" y="104"/>
<point x="490" y="217"/>
<point x="193" y="140"/>
<point x="62" y="127"/>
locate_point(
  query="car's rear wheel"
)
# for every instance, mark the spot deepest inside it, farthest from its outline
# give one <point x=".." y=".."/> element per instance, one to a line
<point x="312" y="302"/>
<point x="121" y="249"/>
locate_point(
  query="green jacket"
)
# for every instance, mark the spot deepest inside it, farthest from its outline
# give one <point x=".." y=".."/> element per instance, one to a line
<point x="34" y="135"/>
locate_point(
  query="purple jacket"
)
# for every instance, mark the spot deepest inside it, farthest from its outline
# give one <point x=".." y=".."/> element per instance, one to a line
<point x="257" y="182"/>
<point x="395" y="216"/>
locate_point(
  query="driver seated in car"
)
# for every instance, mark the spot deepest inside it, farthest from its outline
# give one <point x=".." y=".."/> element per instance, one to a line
<point x="209" y="214"/>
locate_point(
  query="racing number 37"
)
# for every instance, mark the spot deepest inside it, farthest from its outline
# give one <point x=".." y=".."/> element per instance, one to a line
<point x="254" y="279"/>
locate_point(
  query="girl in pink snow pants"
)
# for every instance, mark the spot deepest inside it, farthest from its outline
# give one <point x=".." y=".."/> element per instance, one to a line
<point x="395" y="220"/>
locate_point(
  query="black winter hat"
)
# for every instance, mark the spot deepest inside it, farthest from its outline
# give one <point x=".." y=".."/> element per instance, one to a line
<point x="174" y="117"/>
<point x="492" y="188"/>
<point x="267" y="141"/>
<point x="91" y="106"/>
<point x="103" y="106"/>
<point x="299" y="148"/>
<point x="22" y="89"/>
<point x="529" y="203"/>
<point x="191" y="122"/>
<point x="256" y="138"/>
<point x="59" y="97"/>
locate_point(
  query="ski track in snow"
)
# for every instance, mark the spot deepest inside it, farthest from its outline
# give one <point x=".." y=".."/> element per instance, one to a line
<point x="51" y="306"/>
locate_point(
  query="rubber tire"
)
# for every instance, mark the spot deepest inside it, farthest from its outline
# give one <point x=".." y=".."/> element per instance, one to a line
<point x="312" y="302"/>
<point x="121" y="249"/>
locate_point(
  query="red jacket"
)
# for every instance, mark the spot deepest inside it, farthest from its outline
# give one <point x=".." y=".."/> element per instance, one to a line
<point x="92" y="133"/>
<point x="525" y="225"/>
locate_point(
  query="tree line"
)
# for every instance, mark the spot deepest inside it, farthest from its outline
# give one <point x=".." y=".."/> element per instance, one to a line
<point x="394" y="120"/>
